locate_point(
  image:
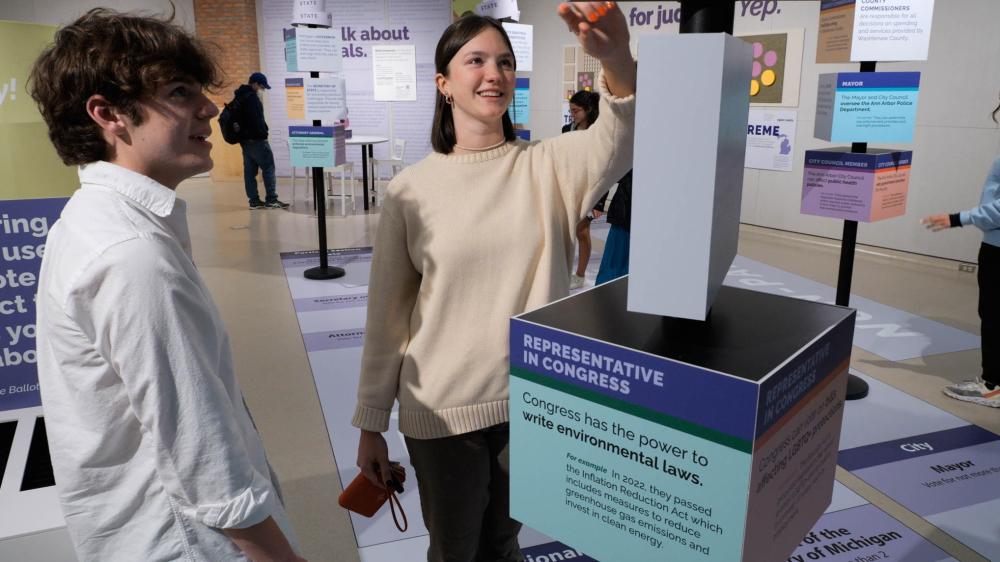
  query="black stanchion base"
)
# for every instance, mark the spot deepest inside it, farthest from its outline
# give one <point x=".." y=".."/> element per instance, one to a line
<point x="322" y="273"/>
<point x="857" y="388"/>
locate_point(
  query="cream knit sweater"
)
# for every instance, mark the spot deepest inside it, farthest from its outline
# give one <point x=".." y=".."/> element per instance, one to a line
<point x="465" y="242"/>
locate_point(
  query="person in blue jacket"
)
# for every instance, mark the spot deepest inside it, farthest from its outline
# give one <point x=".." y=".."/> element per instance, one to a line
<point x="984" y="389"/>
<point x="253" y="141"/>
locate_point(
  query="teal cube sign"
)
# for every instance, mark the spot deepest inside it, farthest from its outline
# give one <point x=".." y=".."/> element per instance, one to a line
<point x="867" y="106"/>
<point x="660" y="440"/>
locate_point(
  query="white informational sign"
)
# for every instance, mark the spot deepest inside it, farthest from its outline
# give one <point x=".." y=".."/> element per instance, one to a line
<point x="326" y="99"/>
<point x="394" y="72"/>
<point x="521" y="39"/>
<point x="891" y="30"/>
<point x="311" y="12"/>
<point x="770" y="139"/>
<point x="499" y="9"/>
<point x="312" y="50"/>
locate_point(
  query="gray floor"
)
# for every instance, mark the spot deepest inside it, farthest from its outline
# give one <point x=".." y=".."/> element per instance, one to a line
<point x="237" y="253"/>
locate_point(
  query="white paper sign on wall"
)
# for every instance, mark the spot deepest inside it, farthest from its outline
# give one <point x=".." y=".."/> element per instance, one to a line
<point x="521" y="39"/>
<point x="394" y="72"/>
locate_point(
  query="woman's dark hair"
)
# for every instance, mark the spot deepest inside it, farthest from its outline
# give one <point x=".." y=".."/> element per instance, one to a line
<point x="122" y="57"/>
<point x="452" y="40"/>
<point x="589" y="102"/>
<point x="995" y="111"/>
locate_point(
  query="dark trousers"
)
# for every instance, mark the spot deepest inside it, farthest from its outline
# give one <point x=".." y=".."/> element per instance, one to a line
<point x="464" y="484"/>
<point x="257" y="154"/>
<point x="989" y="310"/>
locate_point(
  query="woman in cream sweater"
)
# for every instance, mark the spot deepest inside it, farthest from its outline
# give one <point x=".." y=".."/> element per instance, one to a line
<point x="477" y="232"/>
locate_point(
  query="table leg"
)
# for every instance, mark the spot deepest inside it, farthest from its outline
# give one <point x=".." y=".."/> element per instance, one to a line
<point x="364" y="172"/>
<point x="371" y="162"/>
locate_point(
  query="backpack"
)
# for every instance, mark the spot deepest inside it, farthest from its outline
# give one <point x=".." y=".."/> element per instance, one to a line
<point x="229" y="122"/>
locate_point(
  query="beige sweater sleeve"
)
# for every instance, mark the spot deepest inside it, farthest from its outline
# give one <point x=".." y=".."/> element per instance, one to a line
<point x="393" y="291"/>
<point x="588" y="162"/>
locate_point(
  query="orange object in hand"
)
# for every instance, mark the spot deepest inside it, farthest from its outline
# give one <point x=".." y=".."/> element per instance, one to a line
<point x="364" y="498"/>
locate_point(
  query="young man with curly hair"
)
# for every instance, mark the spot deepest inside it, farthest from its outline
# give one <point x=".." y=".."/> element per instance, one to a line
<point x="154" y="452"/>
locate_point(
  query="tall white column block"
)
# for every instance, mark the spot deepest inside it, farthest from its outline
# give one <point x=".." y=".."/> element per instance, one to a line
<point x="690" y="143"/>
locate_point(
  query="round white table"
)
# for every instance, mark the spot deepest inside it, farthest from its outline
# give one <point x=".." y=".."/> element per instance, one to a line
<point x="366" y="142"/>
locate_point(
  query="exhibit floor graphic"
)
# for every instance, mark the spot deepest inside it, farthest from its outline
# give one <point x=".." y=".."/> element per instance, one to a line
<point x="853" y="530"/>
<point x="331" y="316"/>
<point x="888" y="332"/>
<point x="933" y="463"/>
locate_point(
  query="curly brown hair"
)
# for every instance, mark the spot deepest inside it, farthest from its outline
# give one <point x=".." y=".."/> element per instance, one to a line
<point x="122" y="57"/>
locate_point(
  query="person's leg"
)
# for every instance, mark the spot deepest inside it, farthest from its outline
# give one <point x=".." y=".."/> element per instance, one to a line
<point x="583" y="237"/>
<point x="985" y="389"/>
<point x="576" y="279"/>
<point x="266" y="160"/>
<point x="614" y="262"/>
<point x="989" y="310"/>
<point x="498" y="540"/>
<point x="250" y="172"/>
<point x="453" y="476"/>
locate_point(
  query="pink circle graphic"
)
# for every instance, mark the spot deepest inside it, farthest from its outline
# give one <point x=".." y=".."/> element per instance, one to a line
<point x="756" y="69"/>
<point x="758" y="49"/>
<point x="770" y="58"/>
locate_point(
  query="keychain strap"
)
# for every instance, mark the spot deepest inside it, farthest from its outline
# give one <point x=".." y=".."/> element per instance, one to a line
<point x="406" y="525"/>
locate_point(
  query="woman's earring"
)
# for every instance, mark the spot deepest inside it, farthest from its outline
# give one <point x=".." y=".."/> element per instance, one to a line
<point x="448" y="99"/>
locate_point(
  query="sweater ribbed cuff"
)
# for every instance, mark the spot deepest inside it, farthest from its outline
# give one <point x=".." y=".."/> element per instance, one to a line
<point x="371" y="419"/>
<point x="434" y="424"/>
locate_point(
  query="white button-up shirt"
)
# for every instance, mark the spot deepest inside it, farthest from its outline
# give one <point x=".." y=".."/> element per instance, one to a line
<point x="153" y="449"/>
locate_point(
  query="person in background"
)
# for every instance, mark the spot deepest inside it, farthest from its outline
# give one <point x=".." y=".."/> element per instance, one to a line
<point x="479" y="231"/>
<point x="984" y="389"/>
<point x="584" y="108"/>
<point x="253" y="142"/>
<point x="152" y="446"/>
<point x="614" y="262"/>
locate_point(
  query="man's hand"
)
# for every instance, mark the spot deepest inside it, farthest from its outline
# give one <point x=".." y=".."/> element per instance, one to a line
<point x="936" y="222"/>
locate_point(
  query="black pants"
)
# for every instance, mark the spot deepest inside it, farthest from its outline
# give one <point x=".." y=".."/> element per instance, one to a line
<point x="464" y="484"/>
<point x="989" y="310"/>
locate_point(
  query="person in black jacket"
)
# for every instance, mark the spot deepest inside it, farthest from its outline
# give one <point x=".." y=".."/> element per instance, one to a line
<point x="614" y="262"/>
<point x="256" y="150"/>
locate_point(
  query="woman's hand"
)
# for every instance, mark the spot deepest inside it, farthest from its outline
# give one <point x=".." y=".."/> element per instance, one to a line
<point x="936" y="222"/>
<point x="599" y="26"/>
<point x="603" y="33"/>
<point x="372" y="450"/>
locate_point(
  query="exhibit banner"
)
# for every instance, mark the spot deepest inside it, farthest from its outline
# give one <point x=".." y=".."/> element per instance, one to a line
<point x="295" y="98"/>
<point x="361" y="25"/>
<point x="394" y="72"/>
<point x="624" y="452"/>
<point x="311" y="12"/>
<point x="864" y="187"/>
<point x="521" y="39"/>
<point x="874" y="30"/>
<point x="867" y="106"/>
<point x="24" y="224"/>
<point x="312" y="50"/>
<point x="520" y="108"/>
<point x="770" y="139"/>
<point x="325" y="99"/>
<point x="316" y="147"/>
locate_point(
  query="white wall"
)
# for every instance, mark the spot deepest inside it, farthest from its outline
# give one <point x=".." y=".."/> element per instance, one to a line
<point x="955" y="139"/>
<point x="61" y="12"/>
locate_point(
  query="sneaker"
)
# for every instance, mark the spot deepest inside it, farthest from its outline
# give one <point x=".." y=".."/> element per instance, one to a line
<point x="258" y="204"/>
<point x="276" y="204"/>
<point x="575" y="282"/>
<point x="976" y="391"/>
